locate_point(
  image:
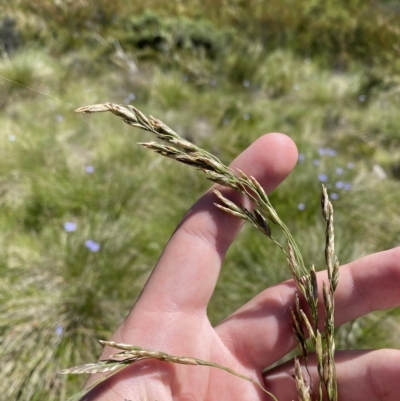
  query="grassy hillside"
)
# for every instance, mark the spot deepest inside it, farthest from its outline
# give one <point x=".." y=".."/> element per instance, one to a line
<point x="85" y="212"/>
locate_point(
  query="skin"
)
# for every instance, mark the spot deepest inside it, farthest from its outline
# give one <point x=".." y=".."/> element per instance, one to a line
<point x="171" y="313"/>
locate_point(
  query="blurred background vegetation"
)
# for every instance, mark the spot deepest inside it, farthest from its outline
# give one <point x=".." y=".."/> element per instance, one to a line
<point x="85" y="212"/>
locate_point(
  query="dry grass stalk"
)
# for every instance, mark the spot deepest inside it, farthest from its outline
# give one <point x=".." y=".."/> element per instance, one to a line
<point x="133" y="353"/>
<point x="262" y="215"/>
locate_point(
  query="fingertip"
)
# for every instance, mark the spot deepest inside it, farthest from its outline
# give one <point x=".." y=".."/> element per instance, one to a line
<point x="286" y="154"/>
<point x="270" y="159"/>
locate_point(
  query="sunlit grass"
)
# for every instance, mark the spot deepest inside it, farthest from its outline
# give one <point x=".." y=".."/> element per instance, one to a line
<point x="66" y="180"/>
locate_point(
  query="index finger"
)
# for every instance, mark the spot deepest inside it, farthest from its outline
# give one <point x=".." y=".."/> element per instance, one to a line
<point x="186" y="273"/>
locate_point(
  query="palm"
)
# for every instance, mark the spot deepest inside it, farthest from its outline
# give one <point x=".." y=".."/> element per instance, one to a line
<point x="170" y="315"/>
<point x="189" y="336"/>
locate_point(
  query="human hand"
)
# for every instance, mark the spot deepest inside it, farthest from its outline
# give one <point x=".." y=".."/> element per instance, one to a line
<point x="171" y="313"/>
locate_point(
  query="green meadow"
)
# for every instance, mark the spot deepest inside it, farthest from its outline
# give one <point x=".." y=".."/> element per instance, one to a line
<point x="85" y="211"/>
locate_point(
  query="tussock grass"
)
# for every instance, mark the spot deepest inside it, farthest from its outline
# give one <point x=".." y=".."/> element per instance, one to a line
<point x="122" y="206"/>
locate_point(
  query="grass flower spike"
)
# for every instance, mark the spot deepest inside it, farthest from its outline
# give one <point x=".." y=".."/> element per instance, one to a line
<point x="265" y="218"/>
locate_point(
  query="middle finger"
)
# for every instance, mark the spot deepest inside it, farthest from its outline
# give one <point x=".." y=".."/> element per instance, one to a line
<point x="261" y="331"/>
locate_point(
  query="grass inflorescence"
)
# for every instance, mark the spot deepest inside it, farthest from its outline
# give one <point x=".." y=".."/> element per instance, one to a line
<point x="261" y="217"/>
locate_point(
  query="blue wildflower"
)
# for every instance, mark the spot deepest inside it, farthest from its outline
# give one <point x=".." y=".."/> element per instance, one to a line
<point x="323" y="177"/>
<point x="70" y="226"/>
<point x="59" y="329"/>
<point x="131" y="96"/>
<point x="92" y="245"/>
<point x="89" y="169"/>
<point x="327" y="151"/>
<point x="301" y="206"/>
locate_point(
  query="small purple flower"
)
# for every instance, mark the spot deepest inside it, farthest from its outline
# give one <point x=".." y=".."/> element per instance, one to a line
<point x="350" y="165"/>
<point x="301" y="206"/>
<point x="323" y="177"/>
<point x="316" y="162"/>
<point x="70" y="226"/>
<point x="131" y="96"/>
<point x="339" y="170"/>
<point x="89" y="169"/>
<point x="327" y="151"/>
<point x="334" y="196"/>
<point x="59" y="329"/>
<point x="246" y="83"/>
<point x="301" y="157"/>
<point x="59" y="118"/>
<point x="343" y="185"/>
<point x="92" y="245"/>
<point x="362" y="98"/>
